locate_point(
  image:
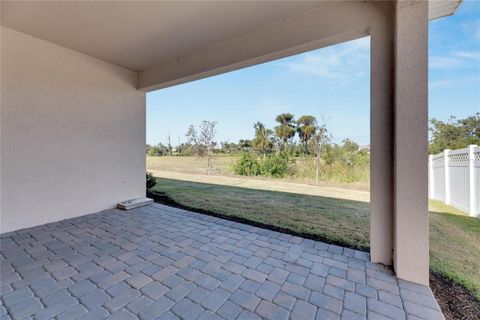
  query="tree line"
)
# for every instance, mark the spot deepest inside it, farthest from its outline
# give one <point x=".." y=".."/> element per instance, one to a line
<point x="303" y="148"/>
<point x="454" y="133"/>
<point x="272" y="152"/>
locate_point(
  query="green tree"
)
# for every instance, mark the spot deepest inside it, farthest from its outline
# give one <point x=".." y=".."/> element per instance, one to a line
<point x="158" y="150"/>
<point x="306" y="127"/>
<point x="286" y="128"/>
<point x="317" y="143"/>
<point x="203" y="140"/>
<point x="262" y="141"/>
<point x="244" y="145"/>
<point x="454" y="133"/>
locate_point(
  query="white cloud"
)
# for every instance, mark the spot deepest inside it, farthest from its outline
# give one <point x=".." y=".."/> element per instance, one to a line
<point x="472" y="27"/>
<point x="468" y="54"/>
<point x="269" y="106"/>
<point x="455" y="59"/>
<point x="441" y="84"/>
<point x="453" y="82"/>
<point x="444" y="62"/>
<point x="340" y="62"/>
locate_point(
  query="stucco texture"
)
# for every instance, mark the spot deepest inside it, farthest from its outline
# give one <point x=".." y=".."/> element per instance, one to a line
<point x="72" y="133"/>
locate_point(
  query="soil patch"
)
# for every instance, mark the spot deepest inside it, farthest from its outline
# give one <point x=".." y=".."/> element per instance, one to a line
<point x="455" y="301"/>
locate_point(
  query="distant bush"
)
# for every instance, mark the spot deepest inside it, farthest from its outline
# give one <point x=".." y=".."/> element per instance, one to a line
<point x="151" y="181"/>
<point x="247" y="165"/>
<point x="275" y="166"/>
<point x="345" y="163"/>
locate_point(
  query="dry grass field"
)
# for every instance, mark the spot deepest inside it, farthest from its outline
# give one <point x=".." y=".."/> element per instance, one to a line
<point x="223" y="164"/>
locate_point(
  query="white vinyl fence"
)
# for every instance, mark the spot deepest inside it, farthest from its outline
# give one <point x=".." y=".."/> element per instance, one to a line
<point x="454" y="178"/>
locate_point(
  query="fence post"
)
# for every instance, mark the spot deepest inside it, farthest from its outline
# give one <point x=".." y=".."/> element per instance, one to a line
<point x="471" y="177"/>
<point x="431" y="194"/>
<point x="447" y="175"/>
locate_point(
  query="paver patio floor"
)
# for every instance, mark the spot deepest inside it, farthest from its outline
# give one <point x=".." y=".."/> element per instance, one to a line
<point x="159" y="262"/>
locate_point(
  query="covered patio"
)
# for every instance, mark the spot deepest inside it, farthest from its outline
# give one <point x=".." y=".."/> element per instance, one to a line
<point x="74" y="77"/>
<point x="159" y="262"/>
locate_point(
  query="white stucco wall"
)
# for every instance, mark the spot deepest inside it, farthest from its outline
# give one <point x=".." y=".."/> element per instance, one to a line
<point x="72" y="133"/>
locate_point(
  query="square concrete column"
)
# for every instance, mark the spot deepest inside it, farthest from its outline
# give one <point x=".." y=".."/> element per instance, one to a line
<point x="381" y="138"/>
<point x="411" y="260"/>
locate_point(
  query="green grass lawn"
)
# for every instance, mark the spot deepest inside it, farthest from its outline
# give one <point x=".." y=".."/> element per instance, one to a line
<point x="454" y="239"/>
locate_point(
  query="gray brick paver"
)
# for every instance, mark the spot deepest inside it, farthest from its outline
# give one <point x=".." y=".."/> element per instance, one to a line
<point x="122" y="300"/>
<point x="81" y="287"/>
<point x="422" y="311"/>
<point x="95" y="313"/>
<point x="17" y="296"/>
<point x="285" y="301"/>
<point x="417" y="298"/>
<point x="25" y="308"/>
<point x="56" y="297"/>
<point x="229" y="310"/>
<point x="156" y="309"/>
<point x="324" y="314"/>
<point x="139" y="304"/>
<point x="268" y="290"/>
<point x="245" y="300"/>
<point x="268" y="310"/>
<point x="209" y="315"/>
<point x="73" y="313"/>
<point x="254" y="275"/>
<point x="138" y="280"/>
<point x="349" y="315"/>
<point x="55" y="309"/>
<point x="94" y="298"/>
<point x="390" y="298"/>
<point x="232" y="283"/>
<point x="340" y="283"/>
<point x="121" y="315"/>
<point x="250" y="286"/>
<point x="179" y="292"/>
<point x="247" y="315"/>
<point x="117" y="289"/>
<point x="154" y="290"/>
<point x="303" y="311"/>
<point x="385" y="309"/>
<point x="323" y="301"/>
<point x="296" y="291"/>
<point x="355" y="303"/>
<point x="161" y="262"/>
<point x="278" y="275"/>
<point x="215" y="299"/>
<point x="186" y="309"/>
<point x="314" y="282"/>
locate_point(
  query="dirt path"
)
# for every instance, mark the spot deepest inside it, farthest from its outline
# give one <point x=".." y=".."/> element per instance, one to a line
<point x="271" y="185"/>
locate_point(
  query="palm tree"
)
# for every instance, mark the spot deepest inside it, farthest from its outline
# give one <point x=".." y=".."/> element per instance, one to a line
<point x="306" y="127"/>
<point x="286" y="127"/>
<point x="262" y="141"/>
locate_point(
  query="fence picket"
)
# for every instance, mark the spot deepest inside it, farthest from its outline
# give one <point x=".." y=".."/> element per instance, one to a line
<point x="454" y="178"/>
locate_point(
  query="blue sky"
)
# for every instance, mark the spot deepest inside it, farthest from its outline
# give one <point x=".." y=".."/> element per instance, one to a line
<point x="333" y="82"/>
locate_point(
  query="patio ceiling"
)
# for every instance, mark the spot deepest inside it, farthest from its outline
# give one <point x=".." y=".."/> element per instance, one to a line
<point x="141" y="35"/>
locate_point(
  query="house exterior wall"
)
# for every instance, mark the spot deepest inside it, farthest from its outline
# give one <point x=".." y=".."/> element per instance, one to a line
<point x="72" y="133"/>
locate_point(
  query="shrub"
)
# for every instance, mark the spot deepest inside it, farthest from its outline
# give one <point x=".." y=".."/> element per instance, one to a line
<point x="151" y="181"/>
<point x="275" y="166"/>
<point x="247" y="165"/>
